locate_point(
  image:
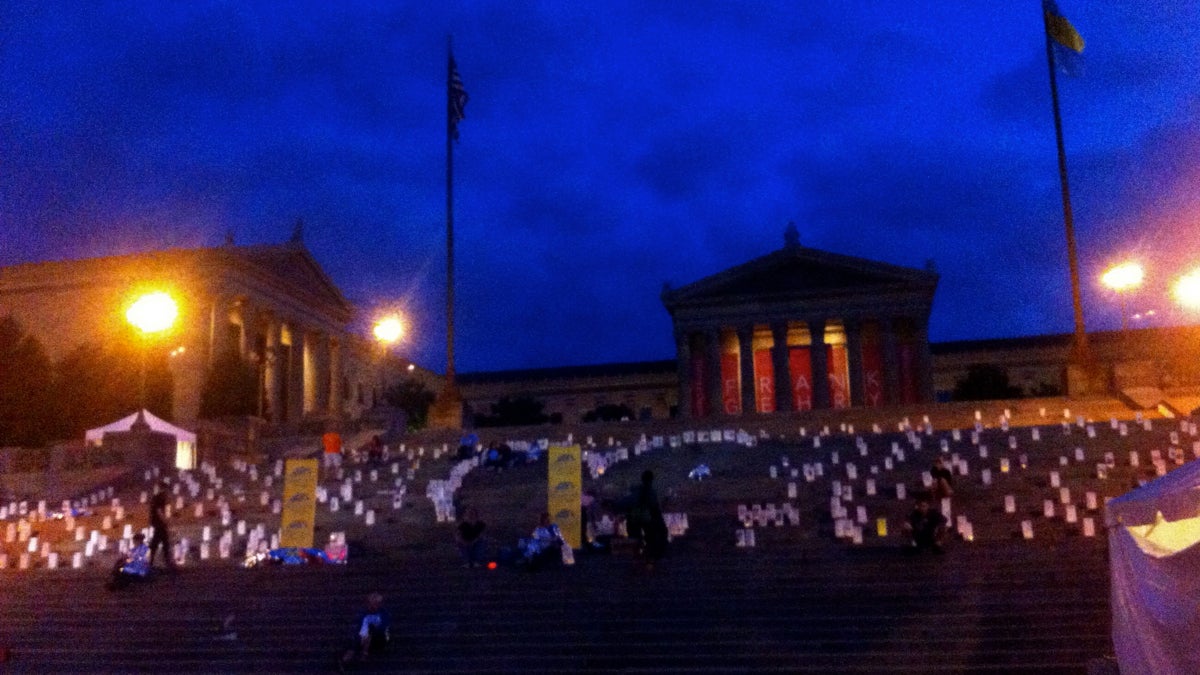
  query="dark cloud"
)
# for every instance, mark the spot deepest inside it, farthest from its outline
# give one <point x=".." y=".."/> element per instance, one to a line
<point x="607" y="148"/>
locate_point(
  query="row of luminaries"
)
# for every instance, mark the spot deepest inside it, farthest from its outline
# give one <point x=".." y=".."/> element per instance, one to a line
<point x="881" y="487"/>
<point x="35" y="540"/>
<point x="224" y="495"/>
<point x="201" y="510"/>
<point x="442" y="492"/>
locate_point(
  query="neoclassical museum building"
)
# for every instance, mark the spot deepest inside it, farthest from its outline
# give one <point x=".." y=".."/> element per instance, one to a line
<point x="745" y="336"/>
<point x="271" y="304"/>
<point x="799" y="329"/>
<point x="793" y="330"/>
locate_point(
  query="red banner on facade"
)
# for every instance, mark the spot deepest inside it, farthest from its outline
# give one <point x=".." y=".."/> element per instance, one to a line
<point x="731" y="393"/>
<point x="872" y="373"/>
<point x="699" y="386"/>
<point x="908" y="374"/>
<point x="839" y="377"/>
<point x="800" y="368"/>
<point x="764" y="381"/>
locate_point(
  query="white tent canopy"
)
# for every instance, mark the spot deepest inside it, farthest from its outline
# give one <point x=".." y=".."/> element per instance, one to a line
<point x="185" y="441"/>
<point x="126" y="423"/>
<point x="1155" y="563"/>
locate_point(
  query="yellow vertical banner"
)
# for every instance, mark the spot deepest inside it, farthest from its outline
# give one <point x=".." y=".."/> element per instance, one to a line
<point x="564" y="488"/>
<point x="299" y="503"/>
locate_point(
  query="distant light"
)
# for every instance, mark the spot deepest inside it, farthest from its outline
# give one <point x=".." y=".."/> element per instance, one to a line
<point x="1124" y="276"/>
<point x="1187" y="290"/>
<point x="153" y="312"/>
<point x="411" y="367"/>
<point x="389" y="329"/>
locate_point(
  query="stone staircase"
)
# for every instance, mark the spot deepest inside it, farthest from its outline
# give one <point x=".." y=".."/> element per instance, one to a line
<point x="800" y="600"/>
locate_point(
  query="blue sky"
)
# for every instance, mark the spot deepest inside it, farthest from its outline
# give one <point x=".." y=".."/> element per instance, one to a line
<point x="608" y="148"/>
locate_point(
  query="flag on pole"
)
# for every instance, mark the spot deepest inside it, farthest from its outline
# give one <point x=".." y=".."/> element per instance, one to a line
<point x="1060" y="29"/>
<point x="456" y="99"/>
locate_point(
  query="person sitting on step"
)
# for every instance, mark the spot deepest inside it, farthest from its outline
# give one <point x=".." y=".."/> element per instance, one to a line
<point x="132" y="567"/>
<point x="470" y="539"/>
<point x="373" y="632"/>
<point x="544" y="547"/>
<point x="926" y="527"/>
<point x="942" y="480"/>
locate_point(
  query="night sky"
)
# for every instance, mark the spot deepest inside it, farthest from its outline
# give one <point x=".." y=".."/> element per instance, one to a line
<point x="608" y="148"/>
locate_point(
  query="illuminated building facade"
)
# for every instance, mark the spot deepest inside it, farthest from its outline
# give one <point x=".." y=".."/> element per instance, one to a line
<point x="270" y="304"/>
<point x="801" y="329"/>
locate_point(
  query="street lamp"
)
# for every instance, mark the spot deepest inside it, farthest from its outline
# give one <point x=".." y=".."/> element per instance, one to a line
<point x="388" y="330"/>
<point x="1187" y="290"/>
<point x="151" y="313"/>
<point x="1123" y="278"/>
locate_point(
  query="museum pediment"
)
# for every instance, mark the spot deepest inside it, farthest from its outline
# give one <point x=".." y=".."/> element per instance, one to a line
<point x="796" y="271"/>
<point x="292" y="265"/>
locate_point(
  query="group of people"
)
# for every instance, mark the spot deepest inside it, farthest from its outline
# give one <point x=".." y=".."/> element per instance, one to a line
<point x="138" y="563"/>
<point x="542" y="548"/>
<point x="926" y="526"/>
<point x="546" y="546"/>
<point x="497" y="456"/>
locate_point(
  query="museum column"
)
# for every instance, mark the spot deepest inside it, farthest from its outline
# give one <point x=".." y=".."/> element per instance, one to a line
<point x="854" y="356"/>
<point x="783" y="373"/>
<point x="295" y="374"/>
<point x="745" y="337"/>
<point x="218" y="339"/>
<point x="274" y="369"/>
<point x="683" y="365"/>
<point x="249" y="321"/>
<point x="321" y="377"/>
<point x="335" y="377"/>
<point x="712" y="372"/>
<point x="820" y="364"/>
<point x="891" y="364"/>
<point x="925" y="387"/>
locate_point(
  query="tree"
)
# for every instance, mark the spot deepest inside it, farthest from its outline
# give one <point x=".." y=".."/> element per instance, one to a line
<point x="984" y="383"/>
<point x="27" y="396"/>
<point x="414" y="398"/>
<point x="609" y="412"/>
<point x="97" y="384"/>
<point x="511" y="412"/>
<point x="230" y="388"/>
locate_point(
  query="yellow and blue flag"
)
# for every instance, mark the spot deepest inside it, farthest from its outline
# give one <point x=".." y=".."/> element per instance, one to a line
<point x="456" y="99"/>
<point x="1060" y="29"/>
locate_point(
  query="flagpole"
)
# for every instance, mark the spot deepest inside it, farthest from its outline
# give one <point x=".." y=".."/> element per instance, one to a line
<point x="1080" y="353"/>
<point x="446" y="410"/>
<point x="450" y="122"/>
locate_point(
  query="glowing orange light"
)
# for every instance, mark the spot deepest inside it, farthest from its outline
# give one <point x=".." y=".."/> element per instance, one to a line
<point x="492" y="565"/>
<point x="1123" y="277"/>
<point x="389" y="329"/>
<point x="153" y="312"/>
<point x="1187" y="290"/>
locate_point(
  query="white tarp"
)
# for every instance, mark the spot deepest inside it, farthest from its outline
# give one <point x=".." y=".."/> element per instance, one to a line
<point x="185" y="441"/>
<point x="1155" y="566"/>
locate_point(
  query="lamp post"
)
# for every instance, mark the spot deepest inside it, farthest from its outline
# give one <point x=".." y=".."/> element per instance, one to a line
<point x="261" y="358"/>
<point x="388" y="331"/>
<point x="1121" y="279"/>
<point x="151" y="313"/>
